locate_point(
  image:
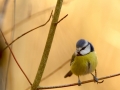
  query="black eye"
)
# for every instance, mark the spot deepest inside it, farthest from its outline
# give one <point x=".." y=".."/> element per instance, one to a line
<point x="83" y="48"/>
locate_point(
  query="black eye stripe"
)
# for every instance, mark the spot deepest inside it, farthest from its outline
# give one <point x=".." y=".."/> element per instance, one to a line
<point x="84" y="47"/>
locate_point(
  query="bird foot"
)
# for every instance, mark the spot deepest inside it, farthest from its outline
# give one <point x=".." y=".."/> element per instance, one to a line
<point x="79" y="82"/>
<point x="96" y="80"/>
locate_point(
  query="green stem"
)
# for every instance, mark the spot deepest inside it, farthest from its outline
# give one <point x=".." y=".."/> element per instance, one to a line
<point x="47" y="46"/>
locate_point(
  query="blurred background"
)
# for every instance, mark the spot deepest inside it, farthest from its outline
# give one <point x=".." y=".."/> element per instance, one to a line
<point x="97" y="21"/>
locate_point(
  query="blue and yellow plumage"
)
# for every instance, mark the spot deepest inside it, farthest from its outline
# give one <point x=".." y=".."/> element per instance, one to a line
<point x="83" y="61"/>
<point x="84" y="64"/>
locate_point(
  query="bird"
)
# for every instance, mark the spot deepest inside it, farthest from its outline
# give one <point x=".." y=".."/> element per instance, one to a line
<point x="83" y="61"/>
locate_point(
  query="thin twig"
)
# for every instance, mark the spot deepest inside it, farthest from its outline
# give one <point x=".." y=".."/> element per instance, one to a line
<point x="62" y="19"/>
<point x="29" y="31"/>
<point x="4" y="6"/>
<point x="50" y="74"/>
<point x="74" y="84"/>
<point x="15" y="58"/>
<point x="3" y="11"/>
<point x="34" y="16"/>
<point x="12" y="37"/>
<point x="27" y="19"/>
<point x="4" y="80"/>
<point x="47" y="45"/>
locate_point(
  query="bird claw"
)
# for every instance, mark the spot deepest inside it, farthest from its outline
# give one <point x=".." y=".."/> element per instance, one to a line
<point x="96" y="80"/>
<point x="79" y="82"/>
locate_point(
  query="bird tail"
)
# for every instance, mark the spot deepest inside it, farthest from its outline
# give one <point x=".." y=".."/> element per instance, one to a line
<point x="68" y="74"/>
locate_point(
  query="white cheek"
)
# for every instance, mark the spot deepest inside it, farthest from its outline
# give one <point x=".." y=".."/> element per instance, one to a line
<point x="86" y="50"/>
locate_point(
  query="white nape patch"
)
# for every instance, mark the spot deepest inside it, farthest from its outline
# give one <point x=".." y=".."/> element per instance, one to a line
<point x="85" y="51"/>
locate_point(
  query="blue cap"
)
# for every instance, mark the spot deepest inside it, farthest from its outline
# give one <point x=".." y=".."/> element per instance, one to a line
<point x="80" y="43"/>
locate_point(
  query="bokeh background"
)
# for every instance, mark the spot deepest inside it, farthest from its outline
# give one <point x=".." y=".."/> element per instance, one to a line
<point x="97" y="21"/>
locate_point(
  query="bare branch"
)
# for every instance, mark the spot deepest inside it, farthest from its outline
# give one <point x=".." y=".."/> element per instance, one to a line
<point x="74" y="84"/>
<point x="15" y="57"/>
<point x="34" y="16"/>
<point x="29" y="31"/>
<point x="3" y="12"/>
<point x="47" y="45"/>
<point x="50" y="74"/>
<point x="62" y="19"/>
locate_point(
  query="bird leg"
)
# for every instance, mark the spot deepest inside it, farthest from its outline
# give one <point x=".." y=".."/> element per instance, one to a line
<point x="95" y="77"/>
<point x="79" y="82"/>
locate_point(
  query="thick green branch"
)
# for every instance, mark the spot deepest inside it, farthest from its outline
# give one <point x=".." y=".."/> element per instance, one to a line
<point x="47" y="46"/>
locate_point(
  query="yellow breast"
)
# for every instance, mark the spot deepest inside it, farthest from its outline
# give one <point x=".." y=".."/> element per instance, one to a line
<point x="84" y="64"/>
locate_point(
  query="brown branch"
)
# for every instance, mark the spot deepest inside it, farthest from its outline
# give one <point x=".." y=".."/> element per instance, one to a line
<point x="74" y="84"/>
<point x="4" y="6"/>
<point x="47" y="45"/>
<point x="3" y="81"/>
<point x="50" y="74"/>
<point x="15" y="58"/>
<point x="27" y="19"/>
<point x="34" y="16"/>
<point x="3" y="11"/>
<point x="29" y="31"/>
<point x="62" y="19"/>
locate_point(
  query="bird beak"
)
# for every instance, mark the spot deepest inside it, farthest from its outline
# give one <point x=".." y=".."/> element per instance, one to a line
<point x="78" y="49"/>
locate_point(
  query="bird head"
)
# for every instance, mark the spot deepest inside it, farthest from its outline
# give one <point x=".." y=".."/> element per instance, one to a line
<point x="83" y="47"/>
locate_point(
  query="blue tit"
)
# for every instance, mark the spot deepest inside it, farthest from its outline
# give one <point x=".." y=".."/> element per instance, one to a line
<point x="83" y="61"/>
